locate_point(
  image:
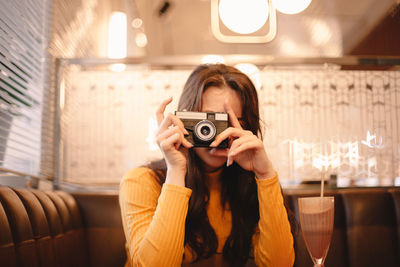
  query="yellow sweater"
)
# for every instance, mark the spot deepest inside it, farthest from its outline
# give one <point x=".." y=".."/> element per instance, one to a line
<point x="153" y="218"/>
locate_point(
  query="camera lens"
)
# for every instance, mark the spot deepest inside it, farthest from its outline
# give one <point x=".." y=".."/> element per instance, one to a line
<point x="205" y="131"/>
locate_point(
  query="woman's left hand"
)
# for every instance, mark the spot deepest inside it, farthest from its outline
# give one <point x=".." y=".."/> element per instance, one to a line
<point x="246" y="149"/>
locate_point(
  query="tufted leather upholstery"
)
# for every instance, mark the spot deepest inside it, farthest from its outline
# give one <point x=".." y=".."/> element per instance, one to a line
<point x="19" y="227"/>
<point x="46" y="229"/>
<point x="84" y="229"/>
<point x="7" y="247"/>
<point x="101" y="217"/>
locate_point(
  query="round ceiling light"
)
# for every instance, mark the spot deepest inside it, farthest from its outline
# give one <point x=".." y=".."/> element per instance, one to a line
<point x="243" y="16"/>
<point x="141" y="39"/>
<point x="291" y="6"/>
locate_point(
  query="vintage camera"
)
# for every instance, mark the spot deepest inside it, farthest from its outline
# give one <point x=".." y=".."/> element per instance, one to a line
<point x="203" y="127"/>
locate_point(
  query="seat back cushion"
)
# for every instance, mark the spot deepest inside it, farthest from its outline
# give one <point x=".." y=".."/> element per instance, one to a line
<point x="40" y="229"/>
<point x="371" y="228"/>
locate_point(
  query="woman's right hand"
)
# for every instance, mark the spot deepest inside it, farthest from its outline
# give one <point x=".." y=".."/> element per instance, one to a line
<point x="171" y="140"/>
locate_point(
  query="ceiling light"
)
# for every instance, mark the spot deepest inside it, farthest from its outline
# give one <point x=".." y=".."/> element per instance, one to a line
<point x="244" y="20"/>
<point x="141" y="39"/>
<point x="117" y="29"/>
<point x="243" y="16"/>
<point x="291" y="6"/>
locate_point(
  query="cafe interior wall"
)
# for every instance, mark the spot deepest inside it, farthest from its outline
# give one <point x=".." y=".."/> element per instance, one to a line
<point x="346" y="119"/>
<point x="313" y="114"/>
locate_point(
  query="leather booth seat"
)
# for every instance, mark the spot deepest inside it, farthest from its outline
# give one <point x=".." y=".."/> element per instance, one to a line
<point x="42" y="228"/>
<point x="366" y="228"/>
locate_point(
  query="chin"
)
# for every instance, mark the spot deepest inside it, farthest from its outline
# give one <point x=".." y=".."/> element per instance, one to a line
<point x="210" y="161"/>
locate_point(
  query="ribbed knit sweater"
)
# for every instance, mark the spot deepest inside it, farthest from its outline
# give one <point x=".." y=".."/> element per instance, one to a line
<point x="153" y="218"/>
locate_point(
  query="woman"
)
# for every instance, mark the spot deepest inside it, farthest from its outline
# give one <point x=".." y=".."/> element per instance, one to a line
<point x="208" y="202"/>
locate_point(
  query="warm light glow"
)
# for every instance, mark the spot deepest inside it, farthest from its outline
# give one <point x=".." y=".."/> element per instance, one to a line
<point x="251" y="71"/>
<point x="291" y="6"/>
<point x="137" y="23"/>
<point x="320" y="33"/>
<point x="247" y="68"/>
<point x="321" y="162"/>
<point x="243" y="16"/>
<point x="212" y="59"/>
<point x="152" y="130"/>
<point x="4" y="73"/>
<point x="289" y="47"/>
<point x="141" y="39"/>
<point x="62" y="94"/>
<point x="117" y="29"/>
<point x="117" y="67"/>
<point x="326" y="161"/>
<point x="372" y="141"/>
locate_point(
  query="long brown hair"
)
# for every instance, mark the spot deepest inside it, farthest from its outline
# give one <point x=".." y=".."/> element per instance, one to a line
<point x="238" y="186"/>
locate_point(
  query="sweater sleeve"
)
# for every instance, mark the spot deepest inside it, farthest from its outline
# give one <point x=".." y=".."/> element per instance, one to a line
<point x="273" y="241"/>
<point x="153" y="218"/>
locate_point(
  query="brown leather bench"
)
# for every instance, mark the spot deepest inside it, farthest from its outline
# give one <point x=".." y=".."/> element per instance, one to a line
<point x="366" y="228"/>
<point x="59" y="229"/>
<point x="40" y="228"/>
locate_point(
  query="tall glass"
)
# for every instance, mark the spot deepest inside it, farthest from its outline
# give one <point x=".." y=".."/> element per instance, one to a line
<point x="316" y="221"/>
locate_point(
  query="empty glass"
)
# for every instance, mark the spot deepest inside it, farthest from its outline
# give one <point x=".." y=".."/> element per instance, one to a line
<point x="316" y="221"/>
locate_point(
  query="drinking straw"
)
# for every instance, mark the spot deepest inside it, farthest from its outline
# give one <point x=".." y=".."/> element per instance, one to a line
<point x="322" y="180"/>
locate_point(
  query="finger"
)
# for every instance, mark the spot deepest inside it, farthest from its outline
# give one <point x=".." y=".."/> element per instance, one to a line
<point x="170" y="142"/>
<point x="165" y="134"/>
<point x="171" y="131"/>
<point x="161" y="109"/>
<point x="182" y="141"/>
<point x="233" y="150"/>
<point x="229" y="161"/>
<point x="232" y="116"/>
<point x="172" y="120"/>
<point x="232" y="155"/>
<point x="239" y="141"/>
<point x="178" y="142"/>
<point x="175" y="140"/>
<point x="229" y="132"/>
<point x="244" y="147"/>
<point x="186" y="143"/>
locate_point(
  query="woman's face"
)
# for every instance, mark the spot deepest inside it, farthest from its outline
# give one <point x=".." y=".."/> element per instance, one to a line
<point x="213" y="101"/>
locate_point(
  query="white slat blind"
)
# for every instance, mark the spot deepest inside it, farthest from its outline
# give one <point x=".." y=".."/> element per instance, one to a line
<point x="22" y="75"/>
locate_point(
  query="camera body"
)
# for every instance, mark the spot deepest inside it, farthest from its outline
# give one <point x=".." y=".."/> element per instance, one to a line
<point x="203" y="127"/>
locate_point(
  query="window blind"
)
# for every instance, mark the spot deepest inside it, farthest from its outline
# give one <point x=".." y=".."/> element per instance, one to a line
<point x="22" y="83"/>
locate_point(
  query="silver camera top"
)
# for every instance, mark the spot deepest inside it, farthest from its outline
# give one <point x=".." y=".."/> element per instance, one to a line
<point x="194" y="115"/>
